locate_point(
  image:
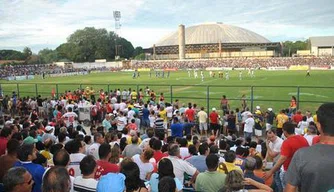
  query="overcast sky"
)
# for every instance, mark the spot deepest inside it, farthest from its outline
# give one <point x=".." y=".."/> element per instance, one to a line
<point x="47" y="23"/>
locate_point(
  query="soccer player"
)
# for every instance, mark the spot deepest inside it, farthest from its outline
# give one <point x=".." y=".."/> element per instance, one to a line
<point x="227" y="76"/>
<point x="308" y="73"/>
<point x="202" y="75"/>
<point x="134" y="75"/>
<point x="240" y="75"/>
<point x="252" y="73"/>
<point x="189" y="74"/>
<point x="195" y="74"/>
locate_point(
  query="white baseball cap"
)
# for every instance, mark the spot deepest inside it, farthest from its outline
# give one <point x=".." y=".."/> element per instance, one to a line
<point x="213" y="109"/>
<point x="270" y="109"/>
<point x="258" y="107"/>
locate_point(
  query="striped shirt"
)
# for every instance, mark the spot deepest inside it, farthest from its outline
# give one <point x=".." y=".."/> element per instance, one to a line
<point x="159" y="123"/>
<point x="84" y="185"/>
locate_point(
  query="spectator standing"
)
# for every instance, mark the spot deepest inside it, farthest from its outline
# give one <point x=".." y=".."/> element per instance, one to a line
<point x="176" y="128"/>
<point x="249" y="124"/>
<point x="311" y="168"/>
<point x="214" y="119"/>
<point x="203" y="121"/>
<point x="94" y="148"/>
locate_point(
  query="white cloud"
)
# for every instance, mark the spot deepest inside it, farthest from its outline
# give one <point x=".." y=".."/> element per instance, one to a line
<point x="36" y="23"/>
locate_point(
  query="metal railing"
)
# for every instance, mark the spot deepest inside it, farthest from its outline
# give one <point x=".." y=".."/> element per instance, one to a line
<point x="205" y="95"/>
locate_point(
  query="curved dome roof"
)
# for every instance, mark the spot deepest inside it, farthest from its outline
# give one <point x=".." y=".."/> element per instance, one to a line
<point x="214" y="33"/>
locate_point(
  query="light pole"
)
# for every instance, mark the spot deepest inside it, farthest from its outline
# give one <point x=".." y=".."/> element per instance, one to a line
<point x="117" y="18"/>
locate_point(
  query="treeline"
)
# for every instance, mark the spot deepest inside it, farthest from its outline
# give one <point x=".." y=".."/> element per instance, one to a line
<point x="84" y="45"/>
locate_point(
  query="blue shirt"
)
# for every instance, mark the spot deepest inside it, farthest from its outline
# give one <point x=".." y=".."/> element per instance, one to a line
<point x="111" y="182"/>
<point x="198" y="161"/>
<point x="154" y="181"/>
<point x="36" y="171"/>
<point x="146" y="113"/>
<point x="177" y="130"/>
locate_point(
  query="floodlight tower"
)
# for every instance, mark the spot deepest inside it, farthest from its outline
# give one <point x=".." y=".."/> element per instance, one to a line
<point x="117" y="18"/>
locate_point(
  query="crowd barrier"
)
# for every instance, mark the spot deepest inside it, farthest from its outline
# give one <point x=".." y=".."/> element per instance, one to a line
<point x="69" y="74"/>
<point x="299" y="67"/>
<point x="20" y="78"/>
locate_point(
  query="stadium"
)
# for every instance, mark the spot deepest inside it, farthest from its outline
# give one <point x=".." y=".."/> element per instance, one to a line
<point x="213" y="40"/>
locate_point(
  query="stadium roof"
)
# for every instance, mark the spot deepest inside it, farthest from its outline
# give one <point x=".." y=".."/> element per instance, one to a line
<point x="214" y="33"/>
<point x="322" y="41"/>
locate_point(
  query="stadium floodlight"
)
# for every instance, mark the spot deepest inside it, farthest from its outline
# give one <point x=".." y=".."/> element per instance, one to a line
<point x="117" y="18"/>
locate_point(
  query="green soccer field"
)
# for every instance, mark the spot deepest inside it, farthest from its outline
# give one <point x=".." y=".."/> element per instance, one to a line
<point x="266" y="91"/>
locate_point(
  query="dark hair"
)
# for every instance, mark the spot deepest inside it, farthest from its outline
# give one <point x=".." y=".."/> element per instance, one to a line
<point x="12" y="146"/>
<point x="240" y="151"/>
<point x="17" y="136"/>
<point x="123" y="143"/>
<point x="230" y="156"/>
<point x="203" y="148"/>
<point x="234" y="181"/>
<point x="61" y="137"/>
<point x="192" y="150"/>
<point x="183" y="142"/>
<point x="156" y="144"/>
<point x="167" y="184"/>
<point x="134" y="140"/>
<point x="87" y="139"/>
<point x="73" y="146"/>
<point x="214" y="149"/>
<point x="104" y="150"/>
<point x="150" y="132"/>
<point x="61" y="158"/>
<point x="212" y="161"/>
<point x="87" y="165"/>
<point x="13" y="177"/>
<point x="259" y="163"/>
<point x="131" y="172"/>
<point x="165" y="168"/>
<point x="325" y="114"/>
<point x="24" y="151"/>
<point x="5" y="132"/>
<point x="56" y="179"/>
<point x="252" y="144"/>
<point x="222" y="144"/>
<point x="40" y="159"/>
<point x="289" y="127"/>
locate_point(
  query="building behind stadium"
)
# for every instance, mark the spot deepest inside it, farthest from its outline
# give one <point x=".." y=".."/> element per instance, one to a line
<point x="213" y="40"/>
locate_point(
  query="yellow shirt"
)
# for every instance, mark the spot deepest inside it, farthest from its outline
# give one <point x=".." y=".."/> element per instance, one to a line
<point x="202" y="116"/>
<point x="315" y="118"/>
<point x="134" y="95"/>
<point x="281" y="119"/>
<point x="163" y="115"/>
<point x="230" y="167"/>
<point x="130" y="142"/>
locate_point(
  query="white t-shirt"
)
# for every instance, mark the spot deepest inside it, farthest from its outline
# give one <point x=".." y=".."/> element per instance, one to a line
<point x="70" y="118"/>
<point x="81" y="184"/>
<point x="74" y="166"/>
<point x="94" y="150"/>
<point x="144" y="168"/>
<point x="309" y="138"/>
<point x="152" y="119"/>
<point x="302" y="125"/>
<point x="180" y="167"/>
<point x="144" y="143"/>
<point x="131" y="113"/>
<point x="122" y="106"/>
<point x="184" y="152"/>
<point x="121" y="122"/>
<point x="244" y="115"/>
<point x="249" y="124"/>
<point x="309" y="119"/>
<point x="169" y="111"/>
<point x="276" y="147"/>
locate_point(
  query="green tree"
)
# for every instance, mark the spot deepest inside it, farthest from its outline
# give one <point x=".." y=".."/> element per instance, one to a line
<point x="290" y="48"/>
<point x="137" y="51"/>
<point x="48" y="56"/>
<point x="27" y="53"/>
<point x="140" y="56"/>
<point x="69" y="51"/>
<point x="11" y="55"/>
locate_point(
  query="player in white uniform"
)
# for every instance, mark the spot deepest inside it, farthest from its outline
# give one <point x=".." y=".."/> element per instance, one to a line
<point x="202" y="75"/>
<point x="210" y="73"/>
<point x="195" y="74"/>
<point x="240" y="75"/>
<point x="189" y="74"/>
<point x="227" y="76"/>
<point x="252" y="73"/>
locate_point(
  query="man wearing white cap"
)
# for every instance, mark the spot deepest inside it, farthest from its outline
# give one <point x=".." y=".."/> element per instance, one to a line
<point x="214" y="119"/>
<point x="49" y="134"/>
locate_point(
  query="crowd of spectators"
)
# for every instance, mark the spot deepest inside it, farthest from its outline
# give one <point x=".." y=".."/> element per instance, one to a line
<point x="238" y="63"/>
<point x="138" y="142"/>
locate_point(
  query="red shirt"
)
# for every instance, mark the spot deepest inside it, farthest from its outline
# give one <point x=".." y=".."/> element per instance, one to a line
<point x="213" y="118"/>
<point x="316" y="140"/>
<point x="297" y="118"/>
<point x="104" y="167"/>
<point x="190" y="114"/>
<point x="159" y="155"/>
<point x="290" y="146"/>
<point x="3" y="145"/>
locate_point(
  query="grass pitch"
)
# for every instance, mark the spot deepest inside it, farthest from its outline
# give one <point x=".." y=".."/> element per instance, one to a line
<point x="270" y="88"/>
